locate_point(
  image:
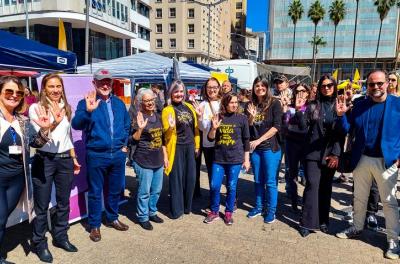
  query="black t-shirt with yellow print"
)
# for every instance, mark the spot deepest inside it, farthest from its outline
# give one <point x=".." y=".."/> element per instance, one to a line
<point x="184" y="124"/>
<point x="232" y="139"/>
<point x="148" y="153"/>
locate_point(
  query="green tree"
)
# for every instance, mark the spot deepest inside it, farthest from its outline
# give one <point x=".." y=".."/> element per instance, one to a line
<point x="382" y="7"/>
<point x="316" y="41"/>
<point x="316" y="14"/>
<point x="337" y="11"/>
<point x="296" y="11"/>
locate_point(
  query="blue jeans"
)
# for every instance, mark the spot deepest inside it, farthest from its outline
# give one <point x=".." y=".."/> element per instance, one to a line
<point x="106" y="175"/>
<point x="232" y="174"/>
<point x="265" y="165"/>
<point x="149" y="188"/>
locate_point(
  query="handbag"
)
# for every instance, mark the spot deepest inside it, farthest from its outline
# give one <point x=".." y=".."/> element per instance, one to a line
<point x="345" y="158"/>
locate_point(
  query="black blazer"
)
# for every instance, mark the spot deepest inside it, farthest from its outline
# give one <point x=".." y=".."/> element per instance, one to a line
<point x="320" y="142"/>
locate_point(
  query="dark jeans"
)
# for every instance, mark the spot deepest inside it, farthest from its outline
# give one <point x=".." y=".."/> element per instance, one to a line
<point x="294" y="155"/>
<point x="45" y="171"/>
<point x="317" y="195"/>
<point x="10" y="192"/>
<point x="182" y="180"/>
<point x="106" y="175"/>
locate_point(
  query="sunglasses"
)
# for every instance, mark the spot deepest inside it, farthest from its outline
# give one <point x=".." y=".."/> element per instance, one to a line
<point x="372" y="84"/>
<point x="329" y="86"/>
<point x="18" y="94"/>
<point x="301" y="91"/>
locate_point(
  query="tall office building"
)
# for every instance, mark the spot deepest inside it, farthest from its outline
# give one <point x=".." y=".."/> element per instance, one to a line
<point x="110" y="25"/>
<point x="238" y="31"/>
<point x="281" y="35"/>
<point x="140" y="25"/>
<point x="183" y="28"/>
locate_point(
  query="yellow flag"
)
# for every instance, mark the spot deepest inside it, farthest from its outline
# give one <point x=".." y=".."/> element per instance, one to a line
<point x="62" y="40"/>
<point x="356" y="77"/>
<point x="335" y="74"/>
<point x="220" y="76"/>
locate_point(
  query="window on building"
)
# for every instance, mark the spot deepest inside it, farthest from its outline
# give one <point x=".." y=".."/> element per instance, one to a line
<point x="172" y="12"/>
<point x="143" y="33"/>
<point x="134" y="51"/>
<point x="158" y="13"/>
<point x="158" y="43"/>
<point x="118" y="13"/>
<point x="191" y="13"/>
<point x="172" y="28"/>
<point x="133" y="5"/>
<point x="126" y="14"/>
<point x="144" y="10"/>
<point x="191" y="43"/>
<point x="113" y="8"/>
<point x="172" y="1"/>
<point x="103" y="6"/>
<point x="133" y="27"/>
<point x="238" y="15"/>
<point x="158" y="1"/>
<point x="158" y="28"/>
<point x="172" y="43"/>
<point x="190" y="28"/>
<point x="239" y="5"/>
<point x="192" y="59"/>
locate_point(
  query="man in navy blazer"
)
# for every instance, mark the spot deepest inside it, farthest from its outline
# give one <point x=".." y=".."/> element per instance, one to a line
<point x="375" y="124"/>
<point x="105" y="123"/>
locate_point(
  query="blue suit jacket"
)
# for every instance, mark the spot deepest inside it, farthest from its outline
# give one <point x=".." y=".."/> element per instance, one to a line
<point x="358" y="122"/>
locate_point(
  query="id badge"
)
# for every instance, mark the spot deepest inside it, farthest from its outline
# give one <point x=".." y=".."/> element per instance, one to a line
<point x="14" y="149"/>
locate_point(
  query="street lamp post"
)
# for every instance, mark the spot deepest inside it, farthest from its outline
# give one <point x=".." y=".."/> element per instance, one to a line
<point x="87" y="33"/>
<point x="208" y="5"/>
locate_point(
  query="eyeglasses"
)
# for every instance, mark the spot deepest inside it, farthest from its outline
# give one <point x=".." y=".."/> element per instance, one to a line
<point x="148" y="101"/>
<point x="372" y="84"/>
<point x="329" y="86"/>
<point x="301" y="91"/>
<point x="213" y="87"/>
<point x="393" y="80"/>
<point x="10" y="92"/>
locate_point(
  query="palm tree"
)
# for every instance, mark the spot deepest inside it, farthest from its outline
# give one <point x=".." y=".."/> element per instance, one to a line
<point x="383" y="8"/>
<point x="316" y="41"/>
<point x="296" y="11"/>
<point x="316" y="14"/>
<point x="337" y="11"/>
<point x="354" y="39"/>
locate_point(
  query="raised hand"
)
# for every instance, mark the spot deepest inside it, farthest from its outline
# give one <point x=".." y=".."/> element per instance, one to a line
<point x="43" y="117"/>
<point x="91" y="102"/>
<point x="171" y="121"/>
<point x="141" y="121"/>
<point x="341" y="107"/>
<point x="348" y="93"/>
<point x="252" y="110"/>
<point x="300" y="101"/>
<point x="199" y="110"/>
<point x="216" y="122"/>
<point x="57" y="112"/>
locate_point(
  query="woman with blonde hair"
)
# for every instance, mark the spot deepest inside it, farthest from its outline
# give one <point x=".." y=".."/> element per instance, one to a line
<point x="182" y="141"/>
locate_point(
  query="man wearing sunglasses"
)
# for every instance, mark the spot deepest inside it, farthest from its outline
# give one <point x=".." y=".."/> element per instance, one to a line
<point x="105" y="123"/>
<point x="375" y="121"/>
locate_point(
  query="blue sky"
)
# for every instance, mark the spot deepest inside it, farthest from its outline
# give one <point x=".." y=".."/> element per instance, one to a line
<point x="257" y="13"/>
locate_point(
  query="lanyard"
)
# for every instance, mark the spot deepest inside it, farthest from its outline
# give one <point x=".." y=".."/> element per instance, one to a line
<point x="14" y="135"/>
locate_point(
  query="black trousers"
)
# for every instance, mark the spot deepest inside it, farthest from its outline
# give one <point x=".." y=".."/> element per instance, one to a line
<point x="45" y="171"/>
<point x="11" y="188"/>
<point x="198" y="167"/>
<point x="182" y="180"/>
<point x="317" y="195"/>
<point x="294" y="155"/>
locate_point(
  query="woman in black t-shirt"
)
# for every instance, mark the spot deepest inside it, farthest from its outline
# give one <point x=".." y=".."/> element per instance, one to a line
<point x="265" y="118"/>
<point x="230" y="131"/>
<point x="149" y="158"/>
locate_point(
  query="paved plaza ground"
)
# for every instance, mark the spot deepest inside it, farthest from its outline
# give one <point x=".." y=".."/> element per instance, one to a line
<point x="189" y="240"/>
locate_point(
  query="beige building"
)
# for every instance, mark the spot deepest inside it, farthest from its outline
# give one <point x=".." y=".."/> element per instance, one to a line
<point x="238" y="30"/>
<point x="181" y="28"/>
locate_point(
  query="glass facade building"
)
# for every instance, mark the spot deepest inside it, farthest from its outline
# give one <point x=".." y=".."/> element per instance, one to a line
<point x="281" y="34"/>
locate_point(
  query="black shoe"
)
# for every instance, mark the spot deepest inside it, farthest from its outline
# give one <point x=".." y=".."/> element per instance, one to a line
<point x="3" y="261"/>
<point x="146" y="225"/>
<point x="324" y="228"/>
<point x="66" y="245"/>
<point x="156" y="219"/>
<point x="304" y="231"/>
<point x="44" y="255"/>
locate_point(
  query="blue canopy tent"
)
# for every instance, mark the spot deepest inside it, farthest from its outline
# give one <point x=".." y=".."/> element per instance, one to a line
<point x="20" y="53"/>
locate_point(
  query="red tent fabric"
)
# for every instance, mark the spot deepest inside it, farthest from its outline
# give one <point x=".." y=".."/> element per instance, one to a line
<point x="18" y="73"/>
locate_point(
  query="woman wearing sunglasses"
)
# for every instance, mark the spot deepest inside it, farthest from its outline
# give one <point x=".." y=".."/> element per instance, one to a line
<point x="16" y="136"/>
<point x="394" y="83"/>
<point x="56" y="163"/>
<point x="322" y="149"/>
<point x="295" y="138"/>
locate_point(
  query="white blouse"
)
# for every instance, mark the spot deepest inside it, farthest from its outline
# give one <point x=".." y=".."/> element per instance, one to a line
<point x="205" y="124"/>
<point x="60" y="137"/>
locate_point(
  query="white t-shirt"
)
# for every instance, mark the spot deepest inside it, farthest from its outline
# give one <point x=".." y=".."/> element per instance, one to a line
<point x="60" y="137"/>
<point x="205" y="124"/>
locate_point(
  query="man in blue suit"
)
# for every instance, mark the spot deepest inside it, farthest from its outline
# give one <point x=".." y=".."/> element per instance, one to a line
<point x="105" y="123"/>
<point x="375" y="123"/>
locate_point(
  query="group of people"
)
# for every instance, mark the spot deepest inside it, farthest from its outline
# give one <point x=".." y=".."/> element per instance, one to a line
<point x="235" y="132"/>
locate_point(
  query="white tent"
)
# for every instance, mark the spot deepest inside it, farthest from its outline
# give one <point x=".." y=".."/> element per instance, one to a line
<point x="147" y="66"/>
